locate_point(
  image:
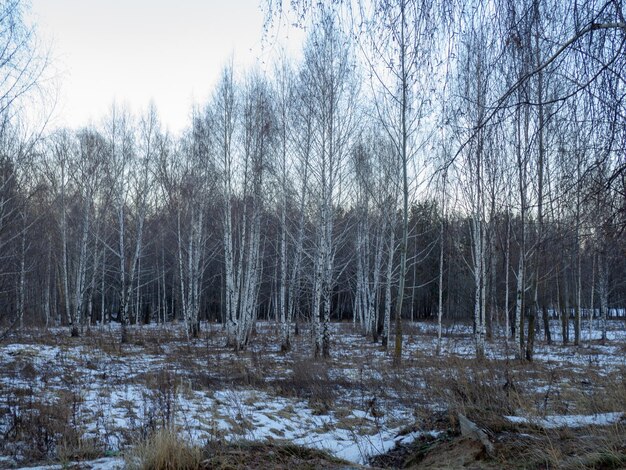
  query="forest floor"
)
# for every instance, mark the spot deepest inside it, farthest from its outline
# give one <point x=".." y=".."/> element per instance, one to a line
<point x="91" y="402"/>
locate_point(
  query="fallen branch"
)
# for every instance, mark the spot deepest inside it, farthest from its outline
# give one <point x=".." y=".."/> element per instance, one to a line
<point x="472" y="431"/>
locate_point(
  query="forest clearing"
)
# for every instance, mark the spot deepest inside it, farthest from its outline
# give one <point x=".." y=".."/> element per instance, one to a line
<point x="67" y="400"/>
<point x="313" y="234"/>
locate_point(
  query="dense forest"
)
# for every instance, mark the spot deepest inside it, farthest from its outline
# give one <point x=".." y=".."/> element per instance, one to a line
<point x="418" y="160"/>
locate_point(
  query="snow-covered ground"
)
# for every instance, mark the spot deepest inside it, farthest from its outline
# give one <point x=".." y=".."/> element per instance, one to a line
<point x="569" y="421"/>
<point x="107" y="396"/>
<point x="105" y="463"/>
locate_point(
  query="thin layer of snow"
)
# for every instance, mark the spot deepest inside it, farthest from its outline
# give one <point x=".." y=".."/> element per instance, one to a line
<point x="106" y="463"/>
<point x="570" y="421"/>
<point x="113" y="403"/>
<point x="412" y="436"/>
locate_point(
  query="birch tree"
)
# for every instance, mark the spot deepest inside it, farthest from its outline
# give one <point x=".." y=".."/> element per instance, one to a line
<point x="285" y="94"/>
<point x="131" y="160"/>
<point x="14" y="213"/>
<point x="74" y="170"/>
<point x="303" y="148"/>
<point x="400" y="36"/>
<point x="242" y="228"/>
<point x="476" y="83"/>
<point x="187" y="182"/>
<point x="224" y="107"/>
<point x="328" y="73"/>
<point x="368" y="243"/>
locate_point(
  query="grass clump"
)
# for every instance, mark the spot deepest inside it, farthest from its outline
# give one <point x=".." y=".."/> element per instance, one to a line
<point x="164" y="450"/>
<point x="167" y="450"/>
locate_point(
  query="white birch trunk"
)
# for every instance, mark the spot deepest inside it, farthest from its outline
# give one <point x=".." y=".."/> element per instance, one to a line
<point x="391" y="247"/>
<point x="181" y="276"/>
<point x="316" y="303"/>
<point x="79" y="288"/>
<point x="478" y="270"/>
<point x="123" y="313"/>
<point x="603" y="288"/>
<point x="102" y="288"/>
<point x="299" y="248"/>
<point x="374" y="298"/>
<point x="48" y="284"/>
<point x="507" y="270"/>
<point x="285" y="342"/>
<point x="92" y="283"/>
<point x="441" y="266"/>
<point x="64" y="254"/>
<point x="22" y="281"/>
<point x="519" y="296"/>
<point x="591" y="301"/>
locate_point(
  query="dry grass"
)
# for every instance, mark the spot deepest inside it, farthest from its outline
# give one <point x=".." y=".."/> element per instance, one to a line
<point x="486" y="391"/>
<point x="44" y="429"/>
<point x="567" y="449"/>
<point x="277" y="456"/>
<point x="164" y="450"/>
<point x="163" y="367"/>
<point x="309" y="379"/>
<point x="483" y="391"/>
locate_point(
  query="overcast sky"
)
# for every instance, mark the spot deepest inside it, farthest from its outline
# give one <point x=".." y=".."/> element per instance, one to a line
<point x="134" y="51"/>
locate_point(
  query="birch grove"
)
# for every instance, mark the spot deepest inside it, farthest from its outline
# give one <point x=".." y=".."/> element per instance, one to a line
<point x="409" y="163"/>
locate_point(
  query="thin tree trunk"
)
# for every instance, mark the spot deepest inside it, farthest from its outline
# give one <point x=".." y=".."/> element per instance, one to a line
<point x="374" y="298"/>
<point x="530" y="346"/>
<point x="507" y="270"/>
<point x="565" y="310"/>
<point x="123" y="313"/>
<point x="22" y="281"/>
<point x="47" y="308"/>
<point x="603" y="287"/>
<point x="64" y="242"/>
<point x="102" y="289"/>
<point x="591" y="301"/>
<point x="519" y="313"/>
<point x="441" y="266"/>
<point x="81" y="274"/>
<point x="578" y="296"/>
<point x="388" y="280"/>
<point x="397" y="355"/>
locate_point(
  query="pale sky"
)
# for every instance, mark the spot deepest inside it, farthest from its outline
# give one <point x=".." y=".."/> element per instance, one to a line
<point x="134" y="51"/>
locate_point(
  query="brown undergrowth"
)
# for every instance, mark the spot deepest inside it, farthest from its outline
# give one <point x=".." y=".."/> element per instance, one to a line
<point x="359" y="375"/>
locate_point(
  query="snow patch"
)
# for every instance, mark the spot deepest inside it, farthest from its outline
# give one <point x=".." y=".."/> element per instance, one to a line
<point x="569" y="421"/>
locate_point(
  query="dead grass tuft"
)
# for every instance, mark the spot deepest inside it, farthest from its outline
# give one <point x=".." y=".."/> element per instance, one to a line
<point x="51" y="429"/>
<point x="309" y="379"/>
<point x="164" y="450"/>
<point x="483" y="391"/>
